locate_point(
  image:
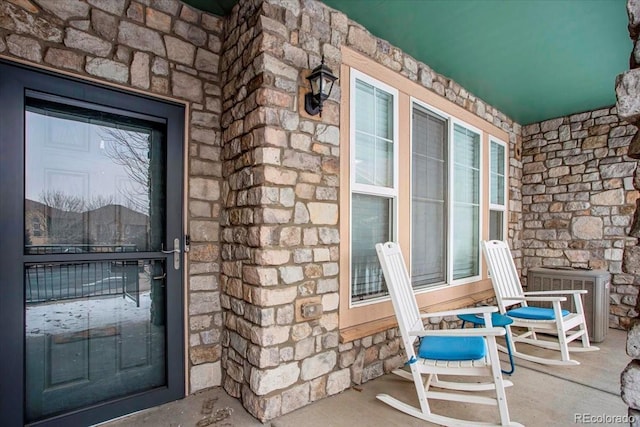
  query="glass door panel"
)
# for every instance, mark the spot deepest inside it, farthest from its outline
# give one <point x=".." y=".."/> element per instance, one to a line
<point x="94" y="286"/>
<point x="94" y="331"/>
<point x="94" y="181"/>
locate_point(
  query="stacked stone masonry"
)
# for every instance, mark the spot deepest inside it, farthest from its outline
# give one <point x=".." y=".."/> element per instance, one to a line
<point x="280" y="225"/>
<point x="263" y="177"/>
<point x="578" y="200"/>
<point x="628" y="105"/>
<point x="161" y="48"/>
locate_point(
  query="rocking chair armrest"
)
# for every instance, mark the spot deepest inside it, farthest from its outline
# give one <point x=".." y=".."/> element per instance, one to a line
<point x="467" y="332"/>
<point x="557" y="292"/>
<point x="474" y="310"/>
<point x="547" y="299"/>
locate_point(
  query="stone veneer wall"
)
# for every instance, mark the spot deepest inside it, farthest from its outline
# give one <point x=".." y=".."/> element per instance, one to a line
<point x="280" y="225"/>
<point x="159" y="47"/>
<point x="258" y="166"/>
<point x="578" y="200"/>
<point x="627" y="88"/>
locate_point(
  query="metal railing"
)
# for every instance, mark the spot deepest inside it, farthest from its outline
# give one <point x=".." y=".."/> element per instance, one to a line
<point x="73" y="248"/>
<point x="62" y="281"/>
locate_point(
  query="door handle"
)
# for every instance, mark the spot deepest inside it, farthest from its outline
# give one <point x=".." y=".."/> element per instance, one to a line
<point x="176" y="253"/>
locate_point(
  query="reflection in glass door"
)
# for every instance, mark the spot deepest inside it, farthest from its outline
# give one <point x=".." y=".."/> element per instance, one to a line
<point x="94" y="328"/>
<point x="90" y="302"/>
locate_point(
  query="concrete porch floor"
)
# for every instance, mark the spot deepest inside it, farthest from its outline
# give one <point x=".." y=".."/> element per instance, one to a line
<point x="541" y="396"/>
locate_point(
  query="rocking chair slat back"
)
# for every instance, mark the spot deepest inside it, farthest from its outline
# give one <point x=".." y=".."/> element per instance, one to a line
<point x="404" y="301"/>
<point x="503" y="270"/>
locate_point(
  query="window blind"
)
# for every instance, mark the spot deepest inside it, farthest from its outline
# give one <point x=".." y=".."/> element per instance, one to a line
<point x="497" y="191"/>
<point x="374" y="136"/>
<point x="466" y="202"/>
<point x="372" y="225"/>
<point x="428" y="200"/>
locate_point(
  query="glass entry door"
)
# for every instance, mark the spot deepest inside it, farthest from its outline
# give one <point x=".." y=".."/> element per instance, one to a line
<point x="100" y="284"/>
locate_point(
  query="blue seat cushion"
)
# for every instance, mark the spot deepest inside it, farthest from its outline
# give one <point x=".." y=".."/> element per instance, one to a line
<point x="452" y="348"/>
<point x="534" y="313"/>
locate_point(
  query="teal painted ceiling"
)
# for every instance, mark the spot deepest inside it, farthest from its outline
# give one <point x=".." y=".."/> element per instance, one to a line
<point x="217" y="7"/>
<point x="531" y="59"/>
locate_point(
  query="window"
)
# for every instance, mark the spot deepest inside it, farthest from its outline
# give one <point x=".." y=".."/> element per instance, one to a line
<point x="429" y="207"/>
<point x="466" y="203"/>
<point x="414" y="170"/>
<point x="445" y="191"/>
<point x="445" y="200"/>
<point x="36" y="228"/>
<point x="373" y="181"/>
<point x="498" y="197"/>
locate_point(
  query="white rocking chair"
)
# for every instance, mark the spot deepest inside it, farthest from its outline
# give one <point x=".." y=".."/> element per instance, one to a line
<point x="464" y="352"/>
<point x="551" y="321"/>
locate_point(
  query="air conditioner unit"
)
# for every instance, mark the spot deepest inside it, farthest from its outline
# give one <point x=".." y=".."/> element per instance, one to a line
<point x="595" y="302"/>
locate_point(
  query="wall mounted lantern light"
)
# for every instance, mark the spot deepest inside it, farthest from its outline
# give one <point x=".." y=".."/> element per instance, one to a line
<point x="321" y="79"/>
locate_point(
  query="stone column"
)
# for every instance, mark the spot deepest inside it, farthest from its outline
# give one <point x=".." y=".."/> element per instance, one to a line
<point x="628" y="94"/>
<point x="280" y="221"/>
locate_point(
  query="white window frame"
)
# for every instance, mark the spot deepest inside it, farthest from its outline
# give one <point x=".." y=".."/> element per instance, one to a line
<point x="371" y="190"/>
<point x="496" y="207"/>
<point x="455" y="121"/>
<point x="451" y="122"/>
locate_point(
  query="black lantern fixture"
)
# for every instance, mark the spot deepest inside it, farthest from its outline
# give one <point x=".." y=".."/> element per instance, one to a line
<point x="321" y="79"/>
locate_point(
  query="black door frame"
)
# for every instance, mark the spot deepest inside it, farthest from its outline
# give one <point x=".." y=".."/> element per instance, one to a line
<point x="15" y="80"/>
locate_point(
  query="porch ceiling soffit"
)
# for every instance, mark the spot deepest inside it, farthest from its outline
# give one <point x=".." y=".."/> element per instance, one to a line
<point x="531" y="59"/>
